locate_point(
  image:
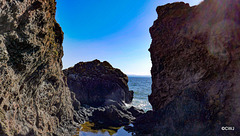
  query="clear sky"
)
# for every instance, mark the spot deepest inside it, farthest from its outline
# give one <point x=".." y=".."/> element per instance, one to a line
<point x="113" y="30"/>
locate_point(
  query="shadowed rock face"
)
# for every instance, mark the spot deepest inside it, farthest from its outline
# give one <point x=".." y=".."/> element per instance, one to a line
<point x="195" y="55"/>
<point x="34" y="99"/>
<point x="98" y="83"/>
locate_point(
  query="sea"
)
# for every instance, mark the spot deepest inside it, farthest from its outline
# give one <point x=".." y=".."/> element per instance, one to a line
<point x="141" y="86"/>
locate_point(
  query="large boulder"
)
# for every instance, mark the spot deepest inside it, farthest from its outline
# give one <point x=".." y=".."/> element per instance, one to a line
<point x="97" y="83"/>
<point x="195" y="69"/>
<point x="99" y="93"/>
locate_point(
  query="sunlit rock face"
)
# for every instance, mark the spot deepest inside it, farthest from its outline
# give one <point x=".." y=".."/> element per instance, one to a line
<point x="34" y="99"/>
<point x="195" y="57"/>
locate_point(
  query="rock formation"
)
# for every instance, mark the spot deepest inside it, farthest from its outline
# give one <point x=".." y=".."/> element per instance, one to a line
<point x="34" y="99"/>
<point x="196" y="70"/>
<point x="100" y="93"/>
<point x="97" y="83"/>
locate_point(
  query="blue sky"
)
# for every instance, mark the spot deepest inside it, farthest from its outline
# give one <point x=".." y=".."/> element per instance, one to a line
<point x="113" y="30"/>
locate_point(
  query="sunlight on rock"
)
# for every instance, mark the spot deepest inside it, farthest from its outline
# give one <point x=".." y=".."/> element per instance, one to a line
<point x="224" y="39"/>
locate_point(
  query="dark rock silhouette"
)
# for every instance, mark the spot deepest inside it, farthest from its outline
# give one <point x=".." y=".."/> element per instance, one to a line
<point x="97" y="83"/>
<point x="195" y="55"/>
<point x="34" y="99"/>
<point x="100" y="93"/>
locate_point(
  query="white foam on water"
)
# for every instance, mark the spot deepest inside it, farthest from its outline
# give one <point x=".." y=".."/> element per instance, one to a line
<point x="142" y="88"/>
<point x="141" y="104"/>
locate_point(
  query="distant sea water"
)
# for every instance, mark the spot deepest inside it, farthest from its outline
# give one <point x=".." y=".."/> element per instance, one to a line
<point x="141" y="87"/>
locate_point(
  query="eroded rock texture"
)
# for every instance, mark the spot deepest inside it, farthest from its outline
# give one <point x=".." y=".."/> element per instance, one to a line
<point x="97" y="83"/>
<point x="196" y="69"/>
<point x="34" y="99"/>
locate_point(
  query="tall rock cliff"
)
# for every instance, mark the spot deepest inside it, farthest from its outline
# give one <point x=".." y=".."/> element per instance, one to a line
<point x="195" y="52"/>
<point x="34" y="99"/>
